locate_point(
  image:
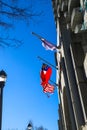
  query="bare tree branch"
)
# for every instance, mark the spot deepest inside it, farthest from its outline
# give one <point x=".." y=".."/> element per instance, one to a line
<point x="6" y="25"/>
<point x="18" y="12"/>
<point x="9" y="12"/>
<point x="7" y="42"/>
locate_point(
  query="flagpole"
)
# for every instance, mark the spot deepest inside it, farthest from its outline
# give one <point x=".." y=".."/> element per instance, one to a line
<point x="37" y="35"/>
<point x="54" y="82"/>
<point x="47" y="62"/>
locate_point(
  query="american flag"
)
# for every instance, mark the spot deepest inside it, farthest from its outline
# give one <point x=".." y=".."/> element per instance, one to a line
<point x="47" y="45"/>
<point x="48" y="88"/>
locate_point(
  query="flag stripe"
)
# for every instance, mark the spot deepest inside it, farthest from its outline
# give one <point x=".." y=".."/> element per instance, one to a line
<point x="48" y="88"/>
<point x="47" y="45"/>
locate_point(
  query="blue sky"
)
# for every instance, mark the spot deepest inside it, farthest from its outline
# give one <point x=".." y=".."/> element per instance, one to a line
<point x="23" y="99"/>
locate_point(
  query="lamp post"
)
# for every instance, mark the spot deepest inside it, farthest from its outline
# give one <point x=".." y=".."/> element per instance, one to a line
<point x="29" y="127"/>
<point x="3" y="76"/>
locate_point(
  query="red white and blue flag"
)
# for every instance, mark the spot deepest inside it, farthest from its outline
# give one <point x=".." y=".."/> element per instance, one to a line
<point x="47" y="45"/>
<point x="45" y="75"/>
<point x="48" y="88"/>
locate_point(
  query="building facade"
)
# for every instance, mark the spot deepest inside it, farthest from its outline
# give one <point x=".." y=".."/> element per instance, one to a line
<point x="71" y="60"/>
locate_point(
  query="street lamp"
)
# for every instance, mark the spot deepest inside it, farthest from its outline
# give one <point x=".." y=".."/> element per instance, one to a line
<point x="3" y="76"/>
<point x="29" y="127"/>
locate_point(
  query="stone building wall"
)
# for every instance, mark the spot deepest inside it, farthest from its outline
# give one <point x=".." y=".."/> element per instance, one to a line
<point x="71" y="24"/>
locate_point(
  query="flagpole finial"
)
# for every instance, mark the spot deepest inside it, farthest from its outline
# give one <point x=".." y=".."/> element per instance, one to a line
<point x="32" y="32"/>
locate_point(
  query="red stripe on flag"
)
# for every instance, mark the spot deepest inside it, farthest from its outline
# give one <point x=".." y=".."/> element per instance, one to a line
<point x="48" y="88"/>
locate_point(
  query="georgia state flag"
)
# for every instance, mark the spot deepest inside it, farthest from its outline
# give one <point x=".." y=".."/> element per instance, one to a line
<point x="45" y="74"/>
